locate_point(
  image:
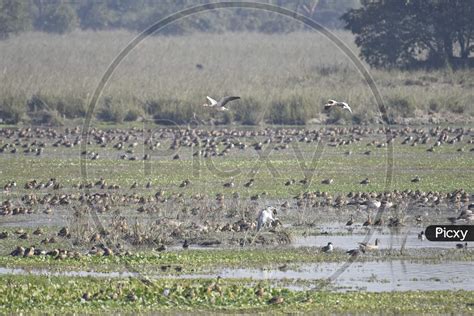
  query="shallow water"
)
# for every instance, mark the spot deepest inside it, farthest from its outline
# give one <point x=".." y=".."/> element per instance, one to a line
<point x="368" y="276"/>
<point x="387" y="240"/>
<point x="376" y="276"/>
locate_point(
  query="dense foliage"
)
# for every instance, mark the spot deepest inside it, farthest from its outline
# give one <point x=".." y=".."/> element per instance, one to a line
<point x="59" y="16"/>
<point x="410" y="33"/>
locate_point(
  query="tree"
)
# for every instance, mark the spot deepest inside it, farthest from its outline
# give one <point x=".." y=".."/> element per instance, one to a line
<point x="56" y="17"/>
<point x="407" y="33"/>
<point x="95" y="15"/>
<point x="14" y="17"/>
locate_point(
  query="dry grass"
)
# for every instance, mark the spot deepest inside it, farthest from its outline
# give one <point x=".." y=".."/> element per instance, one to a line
<point x="302" y="68"/>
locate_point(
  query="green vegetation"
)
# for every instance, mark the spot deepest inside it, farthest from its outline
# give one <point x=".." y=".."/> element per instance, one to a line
<point x="401" y="34"/>
<point x="57" y="16"/>
<point x="204" y="261"/>
<point x="444" y="170"/>
<point x="14" y="17"/>
<point x="63" y="294"/>
<point x="142" y="232"/>
<point x="282" y="79"/>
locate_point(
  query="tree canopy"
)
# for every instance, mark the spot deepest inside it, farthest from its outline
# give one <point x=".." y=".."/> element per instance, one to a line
<point x="14" y="17"/>
<point x="61" y="16"/>
<point x="410" y="33"/>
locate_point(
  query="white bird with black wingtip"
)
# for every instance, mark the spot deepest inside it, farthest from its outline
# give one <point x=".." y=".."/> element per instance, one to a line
<point x="333" y="103"/>
<point x="220" y="105"/>
<point x="266" y="217"/>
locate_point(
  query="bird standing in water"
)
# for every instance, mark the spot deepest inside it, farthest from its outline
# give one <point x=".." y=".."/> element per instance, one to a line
<point x="266" y="216"/>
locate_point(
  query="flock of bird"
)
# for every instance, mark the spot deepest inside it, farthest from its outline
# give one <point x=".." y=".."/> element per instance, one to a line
<point x="46" y="196"/>
<point x="103" y="202"/>
<point x="220" y="105"/>
<point x="140" y="144"/>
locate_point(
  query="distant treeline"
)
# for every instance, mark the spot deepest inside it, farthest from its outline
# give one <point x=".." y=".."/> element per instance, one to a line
<point x="62" y="16"/>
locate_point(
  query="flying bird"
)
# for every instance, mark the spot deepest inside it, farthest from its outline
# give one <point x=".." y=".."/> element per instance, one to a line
<point x="220" y="105"/>
<point x="333" y="103"/>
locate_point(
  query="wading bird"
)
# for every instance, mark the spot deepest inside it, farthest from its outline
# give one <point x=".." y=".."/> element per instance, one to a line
<point x="220" y="105"/>
<point x="266" y="217"/>
<point x="333" y="103"/>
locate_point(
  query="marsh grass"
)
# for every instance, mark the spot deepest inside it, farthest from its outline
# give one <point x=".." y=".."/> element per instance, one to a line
<point x="281" y="78"/>
<point x="65" y="294"/>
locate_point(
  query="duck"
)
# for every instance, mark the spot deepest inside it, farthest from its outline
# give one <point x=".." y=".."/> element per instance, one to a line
<point x="368" y="247"/>
<point x="365" y="181"/>
<point x="276" y="300"/>
<point x="18" y="252"/>
<point x="185" y="183"/>
<point x="107" y="252"/>
<point x="355" y="252"/>
<point x="379" y="222"/>
<point x="416" y="179"/>
<point x="161" y="248"/>
<point x="327" y="181"/>
<point x="466" y="215"/>
<point x="38" y="232"/>
<point x="421" y="235"/>
<point x="394" y="222"/>
<point x="249" y="183"/>
<point x="29" y="252"/>
<point x="350" y="221"/>
<point x="419" y="219"/>
<point x="64" y="232"/>
<point x="461" y="246"/>
<point x="185" y="244"/>
<point x="229" y="184"/>
<point x="328" y="248"/>
<point x="368" y="222"/>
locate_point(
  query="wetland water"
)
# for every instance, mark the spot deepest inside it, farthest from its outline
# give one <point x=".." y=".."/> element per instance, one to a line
<point x="397" y="275"/>
<point x="386" y="241"/>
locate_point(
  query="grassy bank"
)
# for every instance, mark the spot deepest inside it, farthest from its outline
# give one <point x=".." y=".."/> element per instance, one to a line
<point x="202" y="261"/>
<point x="60" y="294"/>
<point x="444" y="170"/>
<point x="281" y="79"/>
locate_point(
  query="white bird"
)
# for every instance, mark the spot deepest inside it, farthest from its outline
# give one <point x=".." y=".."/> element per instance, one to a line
<point x="266" y="217"/>
<point x="374" y="204"/>
<point x="329" y="248"/>
<point x="342" y="105"/>
<point x="220" y="105"/>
